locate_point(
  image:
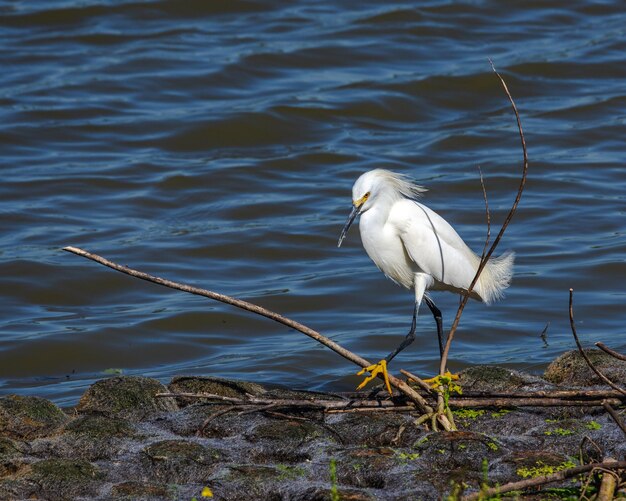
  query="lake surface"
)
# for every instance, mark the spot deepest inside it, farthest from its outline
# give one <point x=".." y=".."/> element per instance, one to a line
<point x="216" y="143"/>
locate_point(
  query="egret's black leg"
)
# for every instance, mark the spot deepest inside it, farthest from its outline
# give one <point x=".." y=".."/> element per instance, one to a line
<point x="410" y="337"/>
<point x="438" y="320"/>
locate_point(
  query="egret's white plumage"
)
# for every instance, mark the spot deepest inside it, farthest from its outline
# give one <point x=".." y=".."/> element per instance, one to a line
<point x="415" y="246"/>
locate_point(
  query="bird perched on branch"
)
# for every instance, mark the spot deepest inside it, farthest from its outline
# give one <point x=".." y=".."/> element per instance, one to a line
<point x="418" y="249"/>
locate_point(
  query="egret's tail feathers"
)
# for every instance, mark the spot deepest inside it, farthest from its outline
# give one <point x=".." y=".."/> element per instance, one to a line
<point x="496" y="277"/>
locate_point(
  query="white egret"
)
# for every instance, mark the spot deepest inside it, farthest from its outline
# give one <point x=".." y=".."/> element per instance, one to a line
<point x="418" y="249"/>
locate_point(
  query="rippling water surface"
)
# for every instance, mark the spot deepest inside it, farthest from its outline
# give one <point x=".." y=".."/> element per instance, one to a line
<point x="215" y="143"/>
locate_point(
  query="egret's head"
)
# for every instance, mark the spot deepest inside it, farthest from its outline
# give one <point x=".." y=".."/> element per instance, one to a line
<point x="375" y="185"/>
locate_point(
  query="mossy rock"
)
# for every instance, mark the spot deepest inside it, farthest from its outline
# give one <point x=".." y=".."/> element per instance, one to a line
<point x="129" y="397"/>
<point x="571" y="369"/>
<point x="142" y="490"/>
<point x="493" y="379"/>
<point x="62" y="479"/>
<point x="179" y="461"/>
<point x="287" y="432"/>
<point x="29" y="417"/>
<point x="213" y="385"/>
<point x="95" y="427"/>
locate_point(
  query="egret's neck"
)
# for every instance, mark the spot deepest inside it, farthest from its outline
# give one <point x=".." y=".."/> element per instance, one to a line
<point x="376" y="217"/>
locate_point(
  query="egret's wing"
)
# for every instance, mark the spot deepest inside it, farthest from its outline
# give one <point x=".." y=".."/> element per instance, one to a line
<point x="433" y="245"/>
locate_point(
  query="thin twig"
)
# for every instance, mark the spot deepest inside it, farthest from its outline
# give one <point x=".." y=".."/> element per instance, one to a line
<point x="607" y="405"/>
<point x="582" y="351"/>
<point x="221" y="412"/>
<point x="399" y="408"/>
<point x="505" y="224"/>
<point x="259" y="310"/>
<point x="542" y="480"/>
<point x="487" y="213"/>
<point x="611" y="352"/>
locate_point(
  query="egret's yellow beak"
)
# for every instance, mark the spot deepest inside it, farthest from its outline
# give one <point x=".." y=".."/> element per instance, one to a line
<point x="356" y="206"/>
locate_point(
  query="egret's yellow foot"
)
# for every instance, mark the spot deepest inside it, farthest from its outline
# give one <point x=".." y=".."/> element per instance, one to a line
<point x="375" y="370"/>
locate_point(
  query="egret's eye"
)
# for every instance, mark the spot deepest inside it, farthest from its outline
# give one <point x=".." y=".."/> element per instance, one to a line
<point x="366" y="196"/>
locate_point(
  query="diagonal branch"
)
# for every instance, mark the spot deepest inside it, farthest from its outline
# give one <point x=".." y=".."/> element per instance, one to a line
<point x="611" y="352"/>
<point x="608" y="408"/>
<point x="259" y="310"/>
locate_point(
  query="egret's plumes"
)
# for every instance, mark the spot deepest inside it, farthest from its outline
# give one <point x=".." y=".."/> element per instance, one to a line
<point x="394" y="184"/>
<point x="416" y="248"/>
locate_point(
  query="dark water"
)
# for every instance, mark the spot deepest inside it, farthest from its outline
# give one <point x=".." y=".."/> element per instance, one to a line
<point x="215" y="143"/>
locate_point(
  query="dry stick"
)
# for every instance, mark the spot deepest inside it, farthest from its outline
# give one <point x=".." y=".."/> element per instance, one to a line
<point x="487" y="213"/>
<point x="607" y="406"/>
<point x="580" y="347"/>
<point x="328" y="405"/>
<point x="485" y="259"/>
<point x="259" y="310"/>
<point x="422" y="384"/>
<point x="546" y="479"/>
<point x="526" y="402"/>
<point x="364" y="405"/>
<point x="560" y="394"/>
<point x="611" y="352"/>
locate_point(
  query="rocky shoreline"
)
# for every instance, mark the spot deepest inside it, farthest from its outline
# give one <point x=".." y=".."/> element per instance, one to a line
<point x="123" y="442"/>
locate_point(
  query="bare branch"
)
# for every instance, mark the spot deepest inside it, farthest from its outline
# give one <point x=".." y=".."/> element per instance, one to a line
<point x="545" y="479"/>
<point x="361" y="404"/>
<point x="422" y="384"/>
<point x="582" y="351"/>
<point x="505" y="224"/>
<point x="259" y="310"/>
<point x="611" y="352"/>
<point x="487" y="213"/>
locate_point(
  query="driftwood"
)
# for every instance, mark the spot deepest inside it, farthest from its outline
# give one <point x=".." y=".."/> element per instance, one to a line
<point x="611" y="352"/>
<point x="546" y="479"/>
<point x="361" y="404"/>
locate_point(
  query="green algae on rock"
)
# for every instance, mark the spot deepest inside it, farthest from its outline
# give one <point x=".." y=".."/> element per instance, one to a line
<point x="29" y="417"/>
<point x="571" y="368"/>
<point x="130" y="397"/>
<point x="61" y="479"/>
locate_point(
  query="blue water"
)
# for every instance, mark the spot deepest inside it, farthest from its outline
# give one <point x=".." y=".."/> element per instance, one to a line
<point x="216" y="143"/>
